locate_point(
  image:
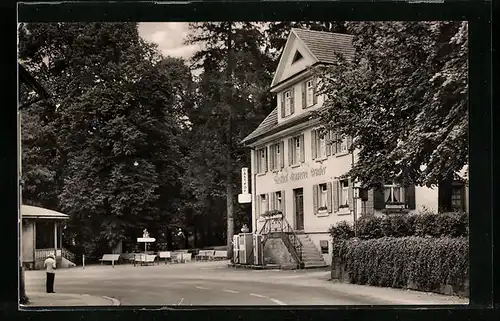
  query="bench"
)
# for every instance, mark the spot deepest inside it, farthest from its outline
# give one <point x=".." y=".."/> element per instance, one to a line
<point x="110" y="258"/>
<point x="166" y="255"/>
<point x="205" y="255"/>
<point x="220" y="255"/>
<point x="186" y="257"/>
<point x="145" y="258"/>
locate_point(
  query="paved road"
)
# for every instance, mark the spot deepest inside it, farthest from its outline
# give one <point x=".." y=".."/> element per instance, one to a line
<point x="214" y="283"/>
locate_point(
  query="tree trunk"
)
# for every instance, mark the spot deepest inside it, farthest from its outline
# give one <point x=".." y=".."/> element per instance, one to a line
<point x="195" y="235"/>
<point x="169" y="239"/>
<point x="229" y="161"/>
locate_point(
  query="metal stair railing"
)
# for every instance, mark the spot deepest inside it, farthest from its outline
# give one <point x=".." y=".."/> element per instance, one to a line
<point x="68" y="255"/>
<point x="279" y="225"/>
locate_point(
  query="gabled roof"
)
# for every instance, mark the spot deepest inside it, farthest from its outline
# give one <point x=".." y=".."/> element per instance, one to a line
<point x="323" y="44"/>
<point x="267" y="124"/>
<point x="270" y="124"/>
<point x="32" y="212"/>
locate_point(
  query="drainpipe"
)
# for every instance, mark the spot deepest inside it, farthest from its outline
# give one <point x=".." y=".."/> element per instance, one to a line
<point x="254" y="188"/>
<point x="354" y="199"/>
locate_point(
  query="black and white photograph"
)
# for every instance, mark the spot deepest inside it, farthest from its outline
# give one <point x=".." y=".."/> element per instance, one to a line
<point x="243" y="163"/>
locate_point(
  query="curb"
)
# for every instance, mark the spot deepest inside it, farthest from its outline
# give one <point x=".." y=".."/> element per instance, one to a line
<point x="116" y="302"/>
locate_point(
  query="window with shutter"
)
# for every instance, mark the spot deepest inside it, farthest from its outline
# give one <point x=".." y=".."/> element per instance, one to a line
<point x="328" y="144"/>
<point x="378" y="199"/>
<point x="288" y="103"/>
<point x="321" y="145"/>
<point x="315" y="199"/>
<point x="335" y="192"/>
<point x="322" y="196"/>
<point x="304" y="102"/>
<point x="314" y="151"/>
<point x="297" y="149"/>
<point x="263" y="203"/>
<point x="282" y="154"/>
<point x="292" y="100"/>
<point x="283" y="105"/>
<point x="265" y="159"/>
<point x="329" y="197"/>
<point x="309" y="93"/>
<point x="283" y="202"/>
<point x="302" y="149"/>
<point x="314" y="89"/>
<point x="271" y="159"/>
<point x="344" y="193"/>
<point x="394" y="194"/>
<point x="350" y="192"/>
<point x="410" y="197"/>
<point x="276" y="152"/>
<point x="291" y="150"/>
<point x="262" y="160"/>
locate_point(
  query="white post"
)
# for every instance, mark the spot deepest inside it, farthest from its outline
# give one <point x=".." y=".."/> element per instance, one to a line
<point x="55" y="238"/>
<point x="83" y="260"/>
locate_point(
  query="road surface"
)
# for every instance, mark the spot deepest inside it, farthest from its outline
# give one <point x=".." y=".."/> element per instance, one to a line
<point x="214" y="283"/>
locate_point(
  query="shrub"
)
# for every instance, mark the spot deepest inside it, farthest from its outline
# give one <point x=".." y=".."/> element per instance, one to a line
<point x="341" y="231"/>
<point x="421" y="263"/>
<point x="370" y="227"/>
<point x="425" y="224"/>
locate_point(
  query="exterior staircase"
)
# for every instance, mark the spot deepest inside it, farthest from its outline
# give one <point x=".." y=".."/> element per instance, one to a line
<point x="311" y="256"/>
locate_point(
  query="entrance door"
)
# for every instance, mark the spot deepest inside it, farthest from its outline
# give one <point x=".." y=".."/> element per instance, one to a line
<point x="299" y="209"/>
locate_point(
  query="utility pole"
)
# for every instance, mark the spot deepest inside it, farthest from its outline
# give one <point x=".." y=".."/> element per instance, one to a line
<point x="354" y="198"/>
<point x="229" y="161"/>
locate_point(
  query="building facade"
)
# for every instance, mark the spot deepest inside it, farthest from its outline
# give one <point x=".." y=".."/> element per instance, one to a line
<point x="296" y="166"/>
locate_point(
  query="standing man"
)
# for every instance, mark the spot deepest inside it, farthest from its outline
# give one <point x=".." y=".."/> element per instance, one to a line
<point x="50" y="265"/>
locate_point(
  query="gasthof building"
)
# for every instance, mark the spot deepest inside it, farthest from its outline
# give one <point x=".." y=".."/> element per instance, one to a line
<point x="295" y="169"/>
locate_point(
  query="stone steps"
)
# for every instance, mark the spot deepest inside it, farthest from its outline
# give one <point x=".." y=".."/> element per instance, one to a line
<point x="311" y="256"/>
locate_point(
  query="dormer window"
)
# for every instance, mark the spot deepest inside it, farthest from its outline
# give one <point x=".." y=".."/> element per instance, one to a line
<point x="287" y="104"/>
<point x="309" y="97"/>
<point x="309" y="93"/>
<point x="296" y="57"/>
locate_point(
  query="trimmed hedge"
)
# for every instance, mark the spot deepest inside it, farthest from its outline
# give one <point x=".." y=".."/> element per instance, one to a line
<point x="427" y="224"/>
<point x="419" y="263"/>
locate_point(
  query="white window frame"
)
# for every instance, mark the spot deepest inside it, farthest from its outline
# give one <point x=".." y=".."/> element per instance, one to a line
<point x="263" y="203"/>
<point x="297" y="150"/>
<point x="322" y="196"/>
<point x="343" y="145"/>
<point x="288" y="102"/>
<point x="344" y="193"/>
<point x="389" y="199"/>
<point x="278" y="199"/>
<point x="309" y="93"/>
<point x="320" y="146"/>
<point x="276" y="153"/>
<point x="261" y="160"/>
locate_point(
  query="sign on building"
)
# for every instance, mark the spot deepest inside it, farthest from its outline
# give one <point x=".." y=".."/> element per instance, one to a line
<point x="244" y="197"/>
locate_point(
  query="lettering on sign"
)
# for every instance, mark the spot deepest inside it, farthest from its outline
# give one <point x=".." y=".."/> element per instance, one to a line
<point x="298" y="176"/>
<point x="318" y="171"/>
<point x="282" y="179"/>
<point x="244" y="180"/>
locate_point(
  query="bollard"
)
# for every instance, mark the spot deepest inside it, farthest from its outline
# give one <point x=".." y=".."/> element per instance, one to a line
<point x="113" y="263"/>
<point x="83" y="261"/>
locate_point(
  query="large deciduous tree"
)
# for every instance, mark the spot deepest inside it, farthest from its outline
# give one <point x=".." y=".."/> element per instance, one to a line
<point x="114" y="138"/>
<point x="404" y="98"/>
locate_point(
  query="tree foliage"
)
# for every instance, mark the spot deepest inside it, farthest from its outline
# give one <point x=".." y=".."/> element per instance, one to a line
<point x="250" y="102"/>
<point x="404" y="98"/>
<point x="112" y="144"/>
